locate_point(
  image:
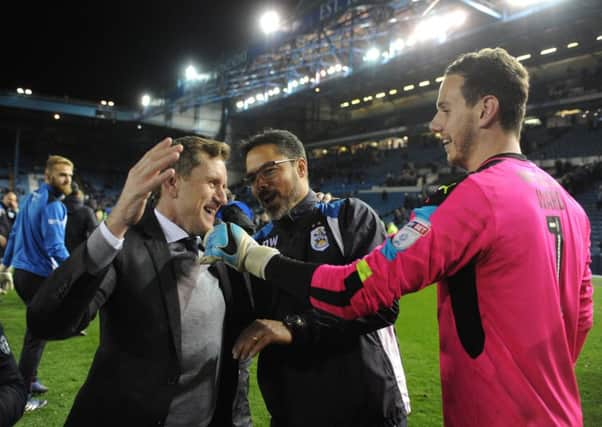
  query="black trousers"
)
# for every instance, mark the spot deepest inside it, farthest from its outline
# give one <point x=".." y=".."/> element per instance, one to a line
<point x="27" y="285"/>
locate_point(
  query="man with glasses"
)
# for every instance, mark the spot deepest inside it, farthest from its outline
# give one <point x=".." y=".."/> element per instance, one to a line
<point x="324" y="371"/>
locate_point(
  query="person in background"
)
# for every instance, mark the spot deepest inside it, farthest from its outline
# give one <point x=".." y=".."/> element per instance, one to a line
<point x="81" y="220"/>
<point x="13" y="393"/>
<point x="9" y="206"/>
<point x="237" y="212"/>
<point x="36" y="246"/>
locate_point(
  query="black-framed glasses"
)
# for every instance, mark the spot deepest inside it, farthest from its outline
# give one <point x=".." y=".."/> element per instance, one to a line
<point x="267" y="172"/>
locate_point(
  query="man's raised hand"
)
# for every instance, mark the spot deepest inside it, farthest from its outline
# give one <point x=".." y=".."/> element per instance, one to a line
<point x="146" y="175"/>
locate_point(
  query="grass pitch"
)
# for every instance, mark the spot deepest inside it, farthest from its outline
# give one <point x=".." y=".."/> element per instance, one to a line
<point x="65" y="363"/>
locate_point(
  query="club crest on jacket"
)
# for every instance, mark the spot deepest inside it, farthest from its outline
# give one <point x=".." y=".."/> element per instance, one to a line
<point x="319" y="239"/>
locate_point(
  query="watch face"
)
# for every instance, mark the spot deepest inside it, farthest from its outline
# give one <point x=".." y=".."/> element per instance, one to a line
<point x="293" y="320"/>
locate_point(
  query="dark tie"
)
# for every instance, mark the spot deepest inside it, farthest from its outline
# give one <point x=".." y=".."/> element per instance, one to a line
<point x="185" y="253"/>
<point x="191" y="243"/>
<point x="187" y="244"/>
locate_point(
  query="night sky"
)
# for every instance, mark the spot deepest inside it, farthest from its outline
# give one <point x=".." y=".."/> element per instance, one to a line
<point x="117" y="50"/>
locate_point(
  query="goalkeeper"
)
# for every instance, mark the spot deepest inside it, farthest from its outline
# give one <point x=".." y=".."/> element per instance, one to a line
<point x="507" y="245"/>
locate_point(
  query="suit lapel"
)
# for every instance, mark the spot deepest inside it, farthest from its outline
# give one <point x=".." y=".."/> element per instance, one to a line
<point x="166" y="277"/>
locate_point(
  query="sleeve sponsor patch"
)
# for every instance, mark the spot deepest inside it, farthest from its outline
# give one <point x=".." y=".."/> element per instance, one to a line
<point x="54" y="221"/>
<point x="409" y="233"/>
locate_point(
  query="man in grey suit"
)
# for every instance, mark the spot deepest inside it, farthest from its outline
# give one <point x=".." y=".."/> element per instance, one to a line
<point x="167" y="324"/>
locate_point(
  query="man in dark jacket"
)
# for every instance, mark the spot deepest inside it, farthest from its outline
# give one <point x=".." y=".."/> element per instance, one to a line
<point x="315" y="370"/>
<point x="13" y="393"/>
<point x="167" y="324"/>
<point x="9" y="207"/>
<point x="81" y="220"/>
<point x="8" y="212"/>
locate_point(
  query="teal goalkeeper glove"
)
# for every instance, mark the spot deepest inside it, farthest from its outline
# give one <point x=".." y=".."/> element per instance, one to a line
<point x="230" y="243"/>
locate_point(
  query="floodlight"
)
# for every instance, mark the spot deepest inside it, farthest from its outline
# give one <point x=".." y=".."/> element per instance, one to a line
<point x="372" y="54"/>
<point x="523" y="3"/>
<point x="458" y="18"/>
<point x="57" y="116"/>
<point x="146" y="99"/>
<point x="191" y="73"/>
<point x="269" y="22"/>
<point x="139" y="127"/>
<point x="317" y="90"/>
<point x="396" y="45"/>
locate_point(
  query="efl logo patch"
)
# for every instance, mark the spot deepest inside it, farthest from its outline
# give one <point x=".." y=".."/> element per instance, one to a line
<point x="319" y="239"/>
<point x="410" y="233"/>
<point x="4" y="348"/>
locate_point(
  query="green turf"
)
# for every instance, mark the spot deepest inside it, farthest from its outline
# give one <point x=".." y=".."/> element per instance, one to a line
<point x="65" y="364"/>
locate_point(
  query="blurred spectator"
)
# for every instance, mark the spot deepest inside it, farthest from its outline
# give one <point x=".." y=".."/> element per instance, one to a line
<point x="237" y="212"/>
<point x="8" y="212"/>
<point x="81" y="220"/>
<point x="13" y="394"/>
<point x="100" y="215"/>
<point x="262" y="219"/>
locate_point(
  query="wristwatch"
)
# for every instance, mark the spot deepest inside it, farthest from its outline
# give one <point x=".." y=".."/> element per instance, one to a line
<point x="295" y="324"/>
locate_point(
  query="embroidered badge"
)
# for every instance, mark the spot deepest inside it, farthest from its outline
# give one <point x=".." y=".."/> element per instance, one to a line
<point x="410" y="233"/>
<point x="319" y="239"/>
<point x="4" y="348"/>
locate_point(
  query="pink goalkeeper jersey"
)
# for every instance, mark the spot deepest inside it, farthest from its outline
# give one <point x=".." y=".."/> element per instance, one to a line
<point x="510" y="250"/>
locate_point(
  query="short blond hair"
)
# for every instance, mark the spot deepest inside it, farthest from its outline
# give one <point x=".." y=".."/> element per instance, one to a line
<point x="57" y="160"/>
<point x="193" y="147"/>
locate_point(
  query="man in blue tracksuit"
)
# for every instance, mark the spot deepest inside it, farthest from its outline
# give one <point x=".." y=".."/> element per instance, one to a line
<point x="36" y="246"/>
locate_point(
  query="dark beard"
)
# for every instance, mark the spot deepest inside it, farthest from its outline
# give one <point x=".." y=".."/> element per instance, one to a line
<point x="277" y="212"/>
